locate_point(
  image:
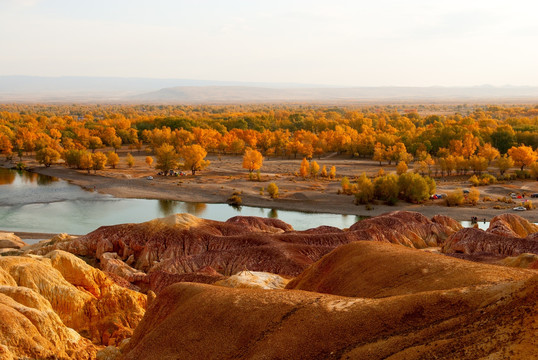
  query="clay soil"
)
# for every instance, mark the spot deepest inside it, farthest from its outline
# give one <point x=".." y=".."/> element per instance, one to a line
<point x="225" y="176"/>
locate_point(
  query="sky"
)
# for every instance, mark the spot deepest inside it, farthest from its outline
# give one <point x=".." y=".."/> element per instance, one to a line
<point x="332" y="42"/>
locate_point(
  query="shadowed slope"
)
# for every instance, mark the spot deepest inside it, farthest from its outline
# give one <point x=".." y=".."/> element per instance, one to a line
<point x="375" y="270"/>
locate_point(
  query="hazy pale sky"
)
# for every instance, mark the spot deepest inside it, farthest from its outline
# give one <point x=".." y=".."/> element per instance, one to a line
<point x="335" y="42"/>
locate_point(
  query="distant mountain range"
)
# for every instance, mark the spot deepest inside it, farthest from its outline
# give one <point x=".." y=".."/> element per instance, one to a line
<point x="174" y="91"/>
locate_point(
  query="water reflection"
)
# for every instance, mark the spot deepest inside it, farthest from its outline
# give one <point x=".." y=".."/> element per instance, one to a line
<point x="166" y="207"/>
<point x="46" y="180"/>
<point x="195" y="208"/>
<point x="7" y="177"/>
<point x="273" y="214"/>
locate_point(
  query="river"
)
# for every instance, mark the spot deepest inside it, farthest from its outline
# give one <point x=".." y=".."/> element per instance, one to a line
<point x="31" y="202"/>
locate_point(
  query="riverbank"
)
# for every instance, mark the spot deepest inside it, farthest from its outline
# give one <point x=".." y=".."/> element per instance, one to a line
<point x="225" y="176"/>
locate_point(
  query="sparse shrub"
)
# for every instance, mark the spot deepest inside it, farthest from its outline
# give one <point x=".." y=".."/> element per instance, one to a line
<point x="534" y="170"/>
<point x="474" y="196"/>
<point x="20" y="166"/>
<point x="346" y="186"/>
<point x="235" y="199"/>
<point x="523" y="174"/>
<point x="314" y="169"/>
<point x="261" y="191"/>
<point x="528" y="205"/>
<point x="129" y="159"/>
<point x="401" y="168"/>
<point x="381" y="172"/>
<point x="258" y="175"/>
<point x="149" y="160"/>
<point x="486" y="179"/>
<point x="304" y="169"/>
<point x="455" y="198"/>
<point x="474" y="180"/>
<point x="332" y="172"/>
<point x="324" y="172"/>
<point x="272" y="189"/>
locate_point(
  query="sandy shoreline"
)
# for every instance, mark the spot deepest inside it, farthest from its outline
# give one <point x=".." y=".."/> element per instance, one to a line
<point x="226" y="176"/>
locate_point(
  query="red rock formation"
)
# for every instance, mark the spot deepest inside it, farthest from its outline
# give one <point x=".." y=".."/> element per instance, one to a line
<point x="372" y="270"/>
<point x="475" y="241"/>
<point x="511" y="225"/>
<point x="406" y="228"/>
<point x="167" y="249"/>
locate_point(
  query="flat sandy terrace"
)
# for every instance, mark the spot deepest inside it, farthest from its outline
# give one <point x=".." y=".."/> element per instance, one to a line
<point x="225" y="176"/>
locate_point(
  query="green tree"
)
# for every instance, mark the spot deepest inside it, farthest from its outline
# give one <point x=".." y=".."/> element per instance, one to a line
<point x="365" y="190"/>
<point x="129" y="159"/>
<point x="386" y="188"/>
<point x="272" y="189"/>
<point x="413" y="187"/>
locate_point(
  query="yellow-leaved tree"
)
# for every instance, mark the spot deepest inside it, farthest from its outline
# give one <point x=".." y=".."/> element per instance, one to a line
<point x="167" y="158"/>
<point x="252" y="160"/>
<point x="194" y="158"/>
<point x="113" y="159"/>
<point x="99" y="161"/>
<point x="47" y="156"/>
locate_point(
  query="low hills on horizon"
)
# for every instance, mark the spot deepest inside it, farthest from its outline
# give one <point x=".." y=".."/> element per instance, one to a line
<point x="24" y="89"/>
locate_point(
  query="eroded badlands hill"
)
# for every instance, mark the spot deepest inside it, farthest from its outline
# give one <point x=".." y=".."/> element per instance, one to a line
<point x="369" y="292"/>
<point x="182" y="247"/>
<point x="57" y="306"/>
<point x="482" y="311"/>
<point x="508" y="235"/>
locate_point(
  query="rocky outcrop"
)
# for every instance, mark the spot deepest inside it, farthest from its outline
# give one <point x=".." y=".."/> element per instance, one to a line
<point x="511" y="225"/>
<point x="254" y="280"/>
<point x="83" y="297"/>
<point x="525" y="261"/>
<point x="171" y="248"/>
<point x="10" y="241"/>
<point x="372" y="270"/>
<point x="30" y="329"/>
<point x="198" y="321"/>
<point x="476" y="241"/>
<point x="406" y="228"/>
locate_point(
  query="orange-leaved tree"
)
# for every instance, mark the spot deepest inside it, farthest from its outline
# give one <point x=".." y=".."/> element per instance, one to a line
<point x="305" y="168"/>
<point x="522" y="155"/>
<point x="252" y="160"/>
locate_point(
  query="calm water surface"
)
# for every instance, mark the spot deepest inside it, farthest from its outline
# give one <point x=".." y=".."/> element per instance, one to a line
<point x="36" y="203"/>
